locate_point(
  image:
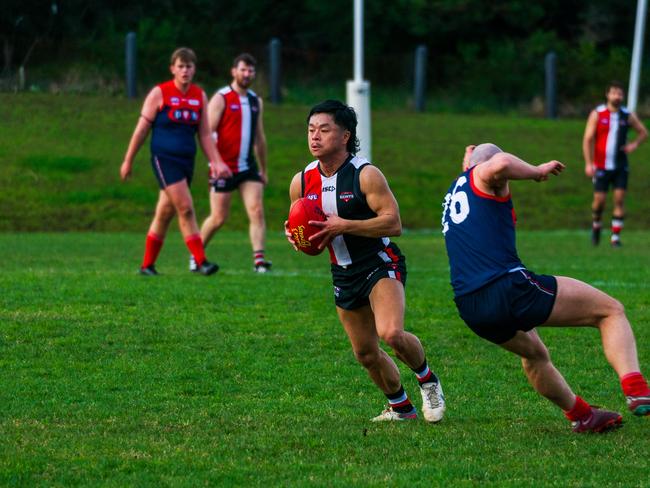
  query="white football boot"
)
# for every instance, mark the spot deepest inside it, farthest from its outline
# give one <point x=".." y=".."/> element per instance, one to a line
<point x="391" y="415"/>
<point x="433" y="401"/>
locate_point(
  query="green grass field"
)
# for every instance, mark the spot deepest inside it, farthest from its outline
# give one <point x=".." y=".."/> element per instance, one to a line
<point x="113" y="379"/>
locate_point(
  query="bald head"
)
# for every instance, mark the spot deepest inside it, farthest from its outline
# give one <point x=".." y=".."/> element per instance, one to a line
<point x="482" y="153"/>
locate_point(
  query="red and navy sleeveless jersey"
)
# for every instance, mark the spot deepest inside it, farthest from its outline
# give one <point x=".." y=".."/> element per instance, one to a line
<point x="340" y="194"/>
<point x="479" y="232"/>
<point x="236" y="130"/>
<point x="611" y="136"/>
<point x="177" y="121"/>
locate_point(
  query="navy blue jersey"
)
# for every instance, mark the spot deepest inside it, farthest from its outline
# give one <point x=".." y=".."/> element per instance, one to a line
<point x="479" y="232"/>
<point x="177" y="122"/>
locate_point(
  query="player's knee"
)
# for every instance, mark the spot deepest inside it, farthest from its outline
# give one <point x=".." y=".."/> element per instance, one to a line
<point x="535" y="356"/>
<point x="367" y="357"/>
<point x="256" y="213"/>
<point x="217" y="220"/>
<point x="393" y="337"/>
<point x="615" y="307"/>
<point x="185" y="211"/>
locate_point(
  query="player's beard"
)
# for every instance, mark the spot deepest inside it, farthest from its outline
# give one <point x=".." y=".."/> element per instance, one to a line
<point x="244" y="82"/>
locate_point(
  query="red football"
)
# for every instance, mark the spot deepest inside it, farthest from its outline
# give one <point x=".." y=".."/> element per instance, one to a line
<point x="300" y="213"/>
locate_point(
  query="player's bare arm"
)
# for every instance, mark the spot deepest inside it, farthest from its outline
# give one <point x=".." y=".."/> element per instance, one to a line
<point x="142" y="128"/>
<point x="218" y="169"/>
<point x="380" y="199"/>
<point x="493" y="175"/>
<point x="260" y="144"/>
<point x="588" y="141"/>
<point x="642" y="134"/>
<point x="294" y="194"/>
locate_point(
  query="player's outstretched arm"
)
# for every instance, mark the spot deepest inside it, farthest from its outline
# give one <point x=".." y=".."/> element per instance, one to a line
<point x="380" y="199"/>
<point x="588" y="141"/>
<point x="147" y="116"/>
<point x="505" y="166"/>
<point x="218" y="169"/>
<point x="642" y="134"/>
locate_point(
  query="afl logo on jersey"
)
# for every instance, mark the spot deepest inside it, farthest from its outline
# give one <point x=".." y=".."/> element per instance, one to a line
<point x="604" y="121"/>
<point x="346" y="196"/>
<point x="234" y="106"/>
<point x="174" y="101"/>
<point x="312" y="196"/>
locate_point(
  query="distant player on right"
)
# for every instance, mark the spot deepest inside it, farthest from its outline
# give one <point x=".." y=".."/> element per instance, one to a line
<point x="605" y="149"/>
<point x="504" y="302"/>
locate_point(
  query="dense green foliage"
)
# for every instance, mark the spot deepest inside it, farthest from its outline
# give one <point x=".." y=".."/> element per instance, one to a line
<point x="112" y="379"/>
<point x="60" y="159"/>
<point x="481" y="56"/>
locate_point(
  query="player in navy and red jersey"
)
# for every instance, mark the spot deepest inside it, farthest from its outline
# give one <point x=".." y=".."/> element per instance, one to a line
<point x="503" y="302"/>
<point x="236" y="120"/>
<point x="605" y="149"/>
<point x="368" y="270"/>
<point x="175" y="111"/>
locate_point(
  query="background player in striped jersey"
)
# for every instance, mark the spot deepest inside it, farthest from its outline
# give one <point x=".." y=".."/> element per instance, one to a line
<point x="236" y="120"/>
<point x="605" y="150"/>
<point x="503" y="302"/>
<point x="176" y="111"/>
<point x="368" y="270"/>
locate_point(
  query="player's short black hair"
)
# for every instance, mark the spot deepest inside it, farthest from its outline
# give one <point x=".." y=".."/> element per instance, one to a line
<point x="344" y="116"/>
<point x="246" y="58"/>
<point x="614" y="84"/>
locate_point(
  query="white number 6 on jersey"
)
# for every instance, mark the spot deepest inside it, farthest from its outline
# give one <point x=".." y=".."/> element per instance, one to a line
<point x="457" y="204"/>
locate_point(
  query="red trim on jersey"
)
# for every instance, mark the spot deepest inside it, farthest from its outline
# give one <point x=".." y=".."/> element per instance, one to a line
<point x="602" y="134"/>
<point x="482" y="194"/>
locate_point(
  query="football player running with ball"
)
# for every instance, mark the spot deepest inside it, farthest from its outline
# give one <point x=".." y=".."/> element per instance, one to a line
<point x="503" y="302"/>
<point x="369" y="271"/>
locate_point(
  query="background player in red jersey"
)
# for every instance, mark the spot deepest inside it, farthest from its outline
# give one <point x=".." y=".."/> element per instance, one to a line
<point x="605" y="150"/>
<point x="503" y="302"/>
<point x="236" y="114"/>
<point x="368" y="271"/>
<point x="176" y="111"/>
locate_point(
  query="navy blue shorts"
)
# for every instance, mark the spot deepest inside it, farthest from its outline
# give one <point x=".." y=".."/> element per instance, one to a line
<point x="519" y="300"/>
<point x="616" y="178"/>
<point x="227" y="185"/>
<point x="353" y="284"/>
<point x="171" y="170"/>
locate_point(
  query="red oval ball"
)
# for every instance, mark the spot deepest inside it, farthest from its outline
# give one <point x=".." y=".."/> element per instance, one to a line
<point x="300" y="213"/>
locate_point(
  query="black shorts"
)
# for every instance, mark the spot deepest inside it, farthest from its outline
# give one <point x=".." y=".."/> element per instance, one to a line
<point x="604" y="178"/>
<point x="227" y="185"/>
<point x="171" y="170"/>
<point x="519" y="300"/>
<point x="353" y="284"/>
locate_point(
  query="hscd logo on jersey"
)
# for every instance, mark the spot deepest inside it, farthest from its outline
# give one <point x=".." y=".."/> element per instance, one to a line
<point x="194" y="102"/>
<point x="312" y="196"/>
<point x="328" y="188"/>
<point x="346" y="196"/>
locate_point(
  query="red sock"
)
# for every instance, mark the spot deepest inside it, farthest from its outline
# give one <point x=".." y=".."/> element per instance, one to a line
<point x="634" y="384"/>
<point x="195" y="245"/>
<point x="580" y="410"/>
<point x="152" y="247"/>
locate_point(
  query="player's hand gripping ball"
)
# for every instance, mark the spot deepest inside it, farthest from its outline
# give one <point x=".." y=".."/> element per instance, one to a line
<point x="300" y="213"/>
